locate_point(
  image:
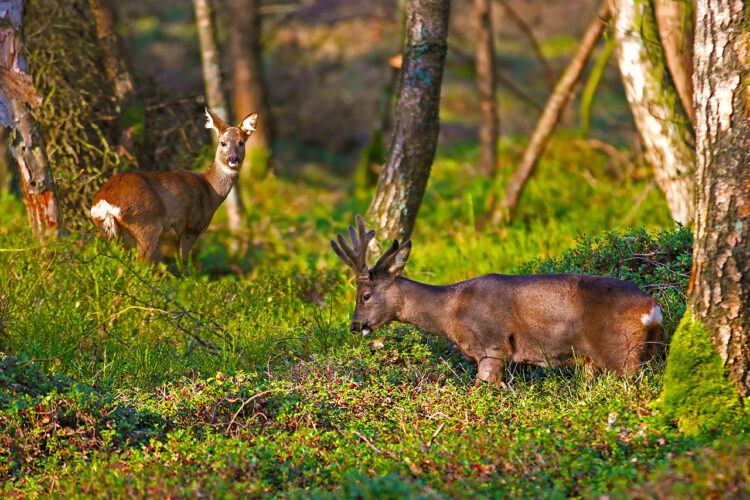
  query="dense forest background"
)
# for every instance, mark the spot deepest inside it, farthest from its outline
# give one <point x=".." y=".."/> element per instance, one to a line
<point x="235" y="374"/>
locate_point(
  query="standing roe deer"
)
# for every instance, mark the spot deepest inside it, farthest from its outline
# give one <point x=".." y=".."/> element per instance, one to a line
<point x="537" y="319"/>
<point x="146" y="207"/>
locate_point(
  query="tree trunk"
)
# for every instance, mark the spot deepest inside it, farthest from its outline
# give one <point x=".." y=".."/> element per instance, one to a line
<point x="249" y="89"/>
<point x="403" y="179"/>
<point x="114" y="64"/>
<point x="551" y="115"/>
<point x="132" y="113"/>
<point x="27" y="144"/>
<point x="674" y="19"/>
<point x="485" y="67"/>
<point x="659" y="116"/>
<point x="215" y="95"/>
<point x="718" y="315"/>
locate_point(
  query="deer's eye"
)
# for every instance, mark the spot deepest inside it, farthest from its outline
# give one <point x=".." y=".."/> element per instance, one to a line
<point x="223" y="144"/>
<point x="241" y="143"/>
<point x="367" y="297"/>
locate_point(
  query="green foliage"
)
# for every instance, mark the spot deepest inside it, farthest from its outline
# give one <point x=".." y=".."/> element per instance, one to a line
<point x="659" y="263"/>
<point x="697" y="393"/>
<point x="237" y="376"/>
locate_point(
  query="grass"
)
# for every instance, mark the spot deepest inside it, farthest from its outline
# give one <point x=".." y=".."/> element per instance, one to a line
<point x="237" y="377"/>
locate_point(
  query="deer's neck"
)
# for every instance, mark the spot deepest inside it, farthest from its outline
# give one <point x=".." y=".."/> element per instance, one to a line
<point x="221" y="179"/>
<point x="426" y="306"/>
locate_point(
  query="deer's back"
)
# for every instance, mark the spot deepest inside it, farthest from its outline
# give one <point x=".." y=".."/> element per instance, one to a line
<point x="179" y="198"/>
<point x="539" y="318"/>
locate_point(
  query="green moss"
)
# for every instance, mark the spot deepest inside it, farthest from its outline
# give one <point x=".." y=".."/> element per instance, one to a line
<point x="697" y="394"/>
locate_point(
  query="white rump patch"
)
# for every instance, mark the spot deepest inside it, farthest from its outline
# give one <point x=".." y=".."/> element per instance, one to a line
<point x="108" y="214"/>
<point x="653" y="318"/>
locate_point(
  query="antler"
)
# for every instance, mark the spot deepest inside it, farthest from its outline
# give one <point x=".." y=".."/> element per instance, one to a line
<point x="356" y="255"/>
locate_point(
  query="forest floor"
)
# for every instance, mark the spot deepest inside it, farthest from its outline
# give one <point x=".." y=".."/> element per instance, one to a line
<point x="237" y="377"/>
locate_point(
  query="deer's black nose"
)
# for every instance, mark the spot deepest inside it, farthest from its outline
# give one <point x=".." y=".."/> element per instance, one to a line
<point x="233" y="160"/>
<point x="355" y="327"/>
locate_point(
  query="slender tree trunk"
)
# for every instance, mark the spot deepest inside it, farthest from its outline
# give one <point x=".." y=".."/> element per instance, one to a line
<point x="114" y="65"/>
<point x="709" y="360"/>
<point x="485" y="67"/>
<point x="132" y="113"/>
<point x="215" y="95"/>
<point x="674" y="19"/>
<point x="551" y="116"/>
<point x="658" y="113"/>
<point x="249" y="89"/>
<point x="17" y="93"/>
<point x="403" y="179"/>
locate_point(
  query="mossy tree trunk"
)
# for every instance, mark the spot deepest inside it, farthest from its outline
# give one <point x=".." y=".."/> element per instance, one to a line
<point x="17" y="93"/>
<point x="485" y="68"/>
<point x="403" y="179"/>
<point x="249" y="92"/>
<point x="718" y="316"/>
<point x="215" y="95"/>
<point x="657" y="110"/>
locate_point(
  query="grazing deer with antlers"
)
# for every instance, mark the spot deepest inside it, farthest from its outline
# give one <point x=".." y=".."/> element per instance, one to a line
<point x="542" y="319"/>
<point x="146" y="208"/>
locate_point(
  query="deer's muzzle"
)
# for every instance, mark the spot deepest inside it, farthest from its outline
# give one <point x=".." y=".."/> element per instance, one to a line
<point x="357" y="327"/>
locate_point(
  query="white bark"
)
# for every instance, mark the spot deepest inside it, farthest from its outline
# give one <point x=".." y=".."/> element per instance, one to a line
<point x="657" y="110"/>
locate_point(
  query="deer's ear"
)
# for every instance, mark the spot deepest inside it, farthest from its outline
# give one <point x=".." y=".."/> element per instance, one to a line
<point x="214" y="122"/>
<point x="398" y="261"/>
<point x="249" y="123"/>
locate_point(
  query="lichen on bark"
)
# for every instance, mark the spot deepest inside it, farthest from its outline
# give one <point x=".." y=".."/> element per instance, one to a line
<point x="697" y="393"/>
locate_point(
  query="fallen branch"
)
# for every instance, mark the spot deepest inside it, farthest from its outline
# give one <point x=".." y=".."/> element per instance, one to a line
<point x="551" y="116"/>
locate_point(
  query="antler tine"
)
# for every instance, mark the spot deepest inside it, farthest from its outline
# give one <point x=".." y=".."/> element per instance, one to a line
<point x="350" y="254"/>
<point x="360" y="245"/>
<point x="356" y="255"/>
<point x="353" y="237"/>
<point x="341" y="254"/>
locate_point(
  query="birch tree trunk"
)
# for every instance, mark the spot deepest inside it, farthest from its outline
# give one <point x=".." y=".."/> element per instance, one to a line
<point x="485" y="68"/>
<point x="215" y="95"/>
<point x="402" y="181"/>
<point x="657" y="110"/>
<point x="17" y="93"/>
<point x="709" y="360"/>
<point x="249" y="91"/>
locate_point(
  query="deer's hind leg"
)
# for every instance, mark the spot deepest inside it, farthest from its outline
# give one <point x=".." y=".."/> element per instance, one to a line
<point x="149" y="248"/>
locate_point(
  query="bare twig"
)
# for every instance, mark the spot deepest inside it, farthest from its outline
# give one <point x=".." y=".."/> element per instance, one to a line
<point x="551" y="116"/>
<point x="526" y="30"/>
<point x="368" y="443"/>
<point x="435" y="434"/>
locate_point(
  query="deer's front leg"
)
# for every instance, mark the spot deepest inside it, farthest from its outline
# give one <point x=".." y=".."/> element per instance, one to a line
<point x="186" y="244"/>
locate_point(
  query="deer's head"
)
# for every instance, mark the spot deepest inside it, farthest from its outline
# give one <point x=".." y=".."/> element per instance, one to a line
<point x="378" y="295"/>
<point x="231" y="149"/>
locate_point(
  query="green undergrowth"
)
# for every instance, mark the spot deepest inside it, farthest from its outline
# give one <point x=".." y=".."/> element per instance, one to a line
<point x="237" y="376"/>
